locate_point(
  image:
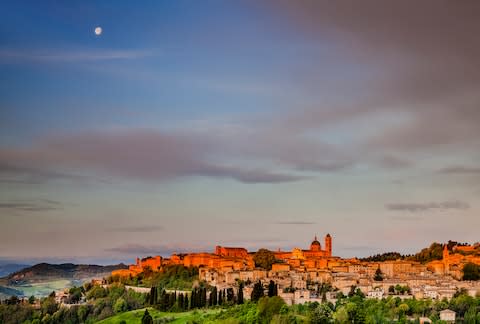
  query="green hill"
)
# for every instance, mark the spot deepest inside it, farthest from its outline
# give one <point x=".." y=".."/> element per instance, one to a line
<point x="135" y="316"/>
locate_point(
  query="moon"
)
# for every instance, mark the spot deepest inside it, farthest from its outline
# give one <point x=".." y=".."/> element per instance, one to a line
<point x="98" y="31"/>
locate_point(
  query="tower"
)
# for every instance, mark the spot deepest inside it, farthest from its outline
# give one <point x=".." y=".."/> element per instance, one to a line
<point x="328" y="245"/>
<point x="446" y="260"/>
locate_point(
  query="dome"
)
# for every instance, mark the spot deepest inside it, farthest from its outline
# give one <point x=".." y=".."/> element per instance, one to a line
<point x="315" y="246"/>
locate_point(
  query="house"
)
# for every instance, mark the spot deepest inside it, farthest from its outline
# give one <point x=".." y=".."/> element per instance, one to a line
<point x="376" y="293"/>
<point x="447" y="315"/>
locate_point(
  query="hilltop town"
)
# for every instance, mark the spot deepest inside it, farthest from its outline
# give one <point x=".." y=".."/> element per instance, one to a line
<point x="300" y="275"/>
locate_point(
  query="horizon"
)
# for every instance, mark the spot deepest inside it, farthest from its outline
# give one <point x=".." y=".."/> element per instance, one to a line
<point x="29" y="261"/>
<point x="131" y="128"/>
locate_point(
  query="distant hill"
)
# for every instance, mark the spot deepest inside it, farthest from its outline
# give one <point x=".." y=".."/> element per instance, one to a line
<point x="8" y="268"/>
<point x="433" y="252"/>
<point x="47" y="271"/>
<point x="41" y="279"/>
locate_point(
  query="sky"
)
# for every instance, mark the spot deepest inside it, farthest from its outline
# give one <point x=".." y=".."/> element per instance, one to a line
<point x="190" y="124"/>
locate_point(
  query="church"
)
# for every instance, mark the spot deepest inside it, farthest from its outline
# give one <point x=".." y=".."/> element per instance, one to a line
<point x="314" y="257"/>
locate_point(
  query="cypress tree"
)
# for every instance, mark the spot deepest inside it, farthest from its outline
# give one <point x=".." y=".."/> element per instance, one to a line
<point x="240" y="294"/>
<point x="164" y="301"/>
<point x="204" y="297"/>
<point x="171" y="300"/>
<point x="220" y="298"/>
<point x="180" y="301"/>
<point x="193" y="299"/>
<point x="257" y="292"/>
<point x="147" y="318"/>
<point x="186" y="306"/>
<point x="198" y="295"/>
<point x="230" y="294"/>
<point x="271" y="289"/>
<point x="215" y="296"/>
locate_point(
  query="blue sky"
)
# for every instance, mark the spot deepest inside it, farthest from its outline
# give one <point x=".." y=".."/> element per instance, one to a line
<point x="187" y="124"/>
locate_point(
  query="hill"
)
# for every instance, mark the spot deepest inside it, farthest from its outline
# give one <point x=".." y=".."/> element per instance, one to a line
<point x="46" y="271"/>
<point x="431" y="253"/>
<point x="42" y="278"/>
<point x="135" y="316"/>
<point x="7" y="268"/>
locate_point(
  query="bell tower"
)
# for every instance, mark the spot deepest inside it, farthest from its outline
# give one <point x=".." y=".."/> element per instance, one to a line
<point x="328" y="245"/>
<point x="446" y="256"/>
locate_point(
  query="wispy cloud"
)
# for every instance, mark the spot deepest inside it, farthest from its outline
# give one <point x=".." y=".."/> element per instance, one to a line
<point x="294" y="223"/>
<point x="10" y="173"/>
<point x="78" y="55"/>
<point x="32" y="206"/>
<point x="420" y="207"/>
<point x="161" y="249"/>
<point x="459" y="169"/>
<point x="136" y="229"/>
<point x="142" y="154"/>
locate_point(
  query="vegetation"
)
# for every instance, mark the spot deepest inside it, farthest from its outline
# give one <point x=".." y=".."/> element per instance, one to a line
<point x="264" y="259"/>
<point x="431" y="253"/>
<point x="169" y="277"/>
<point x="378" y="275"/>
<point x="471" y="271"/>
<point x="114" y="305"/>
<point x="389" y="256"/>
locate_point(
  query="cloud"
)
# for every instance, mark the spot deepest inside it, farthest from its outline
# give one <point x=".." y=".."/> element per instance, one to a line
<point x="422" y="93"/>
<point x="295" y="223"/>
<point x="394" y="162"/>
<point x="460" y="170"/>
<point x="12" y="174"/>
<point x="40" y="205"/>
<point x="407" y="218"/>
<point x="161" y="249"/>
<point x="78" y="55"/>
<point x="140" y="154"/>
<point x="136" y="229"/>
<point x="420" y="207"/>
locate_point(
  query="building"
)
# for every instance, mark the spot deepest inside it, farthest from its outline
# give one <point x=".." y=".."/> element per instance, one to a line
<point x="447" y="315"/>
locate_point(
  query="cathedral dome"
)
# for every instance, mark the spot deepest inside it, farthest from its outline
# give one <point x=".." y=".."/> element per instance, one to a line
<point x="315" y="246"/>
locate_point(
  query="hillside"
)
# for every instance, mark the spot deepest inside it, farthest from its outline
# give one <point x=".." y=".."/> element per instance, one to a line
<point x="41" y="279"/>
<point x="46" y="271"/>
<point x="431" y="253"/>
<point x="8" y="268"/>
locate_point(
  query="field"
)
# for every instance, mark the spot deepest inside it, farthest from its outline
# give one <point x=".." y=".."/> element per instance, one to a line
<point x="136" y="316"/>
<point x="41" y="289"/>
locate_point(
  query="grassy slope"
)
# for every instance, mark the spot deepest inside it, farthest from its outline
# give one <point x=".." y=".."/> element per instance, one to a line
<point x="39" y="289"/>
<point x="135" y="316"/>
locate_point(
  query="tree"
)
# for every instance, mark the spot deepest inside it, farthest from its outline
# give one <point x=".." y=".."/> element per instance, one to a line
<point x="264" y="259"/>
<point x="185" y="303"/>
<point x="230" y="295"/>
<point x="272" y="289"/>
<point x="257" y="291"/>
<point x="391" y="290"/>
<point x="214" y="297"/>
<point x="147" y="318"/>
<point x="471" y="271"/>
<point x="240" y="294"/>
<point x="220" y="298"/>
<point x="120" y="306"/>
<point x="268" y="307"/>
<point x="180" y="301"/>
<point x="321" y="314"/>
<point x="378" y="275"/>
<point x="48" y="305"/>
